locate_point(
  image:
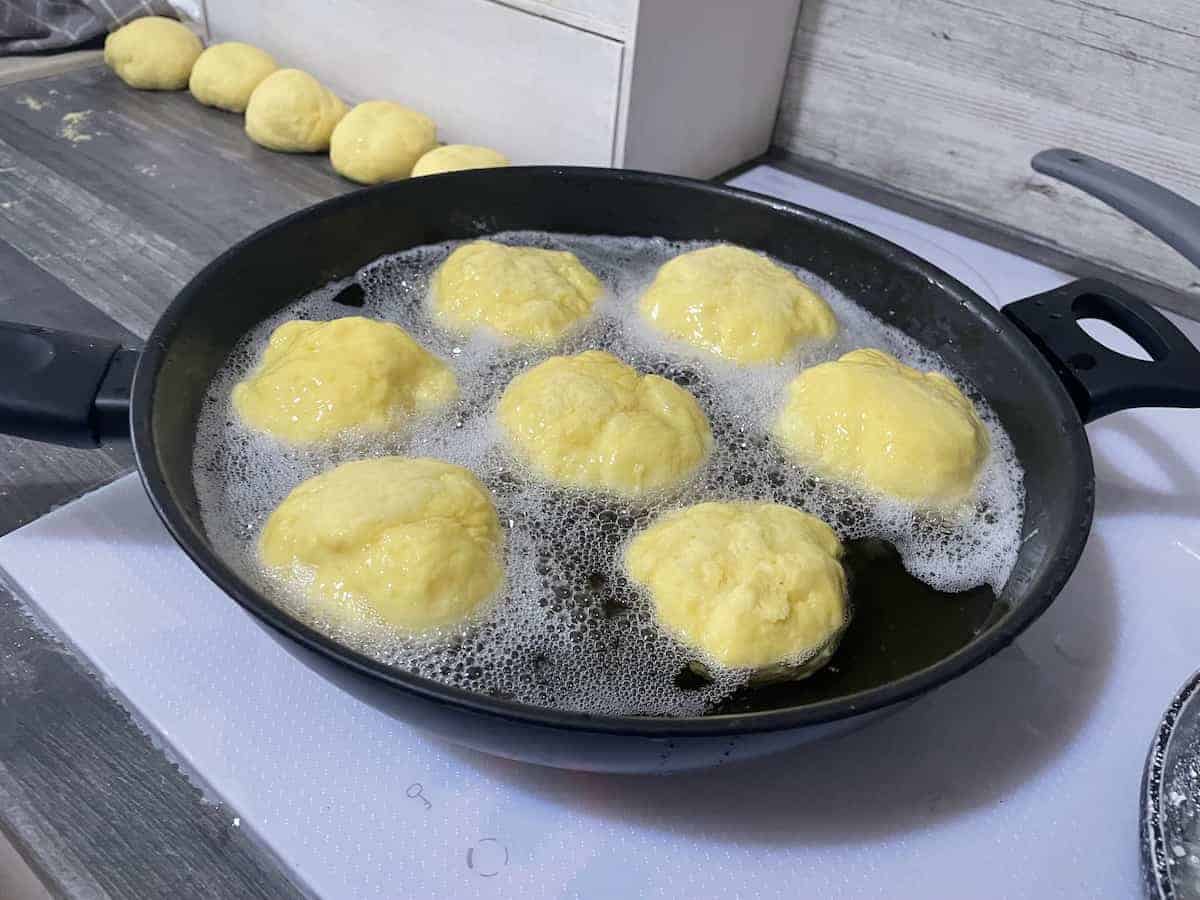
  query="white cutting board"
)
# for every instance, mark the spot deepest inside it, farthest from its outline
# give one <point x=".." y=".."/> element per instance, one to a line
<point x="1018" y="780"/>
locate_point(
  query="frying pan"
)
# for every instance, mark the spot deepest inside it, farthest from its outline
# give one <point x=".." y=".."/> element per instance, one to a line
<point x="1042" y="374"/>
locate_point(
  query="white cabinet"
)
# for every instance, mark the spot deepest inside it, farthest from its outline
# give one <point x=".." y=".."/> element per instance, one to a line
<point x="685" y="86"/>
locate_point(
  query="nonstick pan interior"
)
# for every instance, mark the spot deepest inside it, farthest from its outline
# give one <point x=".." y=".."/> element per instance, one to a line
<point x="331" y="241"/>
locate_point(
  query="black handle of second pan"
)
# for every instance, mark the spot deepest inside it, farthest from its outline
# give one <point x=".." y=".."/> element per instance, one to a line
<point x="63" y="388"/>
<point x="1102" y="381"/>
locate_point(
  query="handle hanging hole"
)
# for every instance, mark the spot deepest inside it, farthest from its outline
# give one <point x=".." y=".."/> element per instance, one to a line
<point x="1114" y="338"/>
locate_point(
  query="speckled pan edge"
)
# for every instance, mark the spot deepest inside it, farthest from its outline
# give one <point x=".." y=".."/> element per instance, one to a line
<point x="1156" y="865"/>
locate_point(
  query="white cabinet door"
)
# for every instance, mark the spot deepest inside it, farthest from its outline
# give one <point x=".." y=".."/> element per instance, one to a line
<point x="540" y="91"/>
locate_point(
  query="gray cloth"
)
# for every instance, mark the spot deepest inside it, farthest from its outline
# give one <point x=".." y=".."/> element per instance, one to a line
<point x="33" y="26"/>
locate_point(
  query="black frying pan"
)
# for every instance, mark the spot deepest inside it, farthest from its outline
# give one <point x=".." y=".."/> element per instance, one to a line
<point x="1040" y="372"/>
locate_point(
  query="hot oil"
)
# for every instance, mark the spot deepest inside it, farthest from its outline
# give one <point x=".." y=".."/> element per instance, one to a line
<point x="900" y="626"/>
<point x="568" y="630"/>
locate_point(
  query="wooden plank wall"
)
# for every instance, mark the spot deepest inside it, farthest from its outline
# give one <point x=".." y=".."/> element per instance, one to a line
<point x="946" y="100"/>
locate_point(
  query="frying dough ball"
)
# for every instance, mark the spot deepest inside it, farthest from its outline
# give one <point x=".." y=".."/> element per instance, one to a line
<point x="590" y="421"/>
<point x="416" y="542"/>
<point x="735" y="304"/>
<point x="293" y="112"/>
<point x="871" y="420"/>
<point x="226" y="74"/>
<point x="379" y="141"/>
<point x="316" y="379"/>
<point x="524" y="293"/>
<point x="152" y="53"/>
<point x="752" y="585"/>
<point x="456" y="157"/>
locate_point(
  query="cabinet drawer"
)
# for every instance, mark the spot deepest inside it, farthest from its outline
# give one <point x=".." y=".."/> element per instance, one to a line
<point x="535" y="89"/>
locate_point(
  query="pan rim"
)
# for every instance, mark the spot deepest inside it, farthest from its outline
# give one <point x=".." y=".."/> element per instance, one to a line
<point x="1040" y="593"/>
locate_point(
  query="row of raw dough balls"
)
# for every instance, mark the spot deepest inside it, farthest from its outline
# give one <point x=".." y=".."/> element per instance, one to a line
<point x="749" y="584"/>
<point x="287" y="109"/>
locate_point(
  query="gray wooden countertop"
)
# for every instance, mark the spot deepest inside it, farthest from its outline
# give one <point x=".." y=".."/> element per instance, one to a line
<point x="110" y="200"/>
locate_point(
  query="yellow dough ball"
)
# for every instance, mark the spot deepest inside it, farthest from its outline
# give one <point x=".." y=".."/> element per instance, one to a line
<point x="293" y="112"/>
<point x="590" y="421"/>
<point x="752" y="585"/>
<point x="152" y="53"/>
<point x="415" y="542"/>
<point x="871" y="420"/>
<point x="317" y="379"/>
<point x="457" y="157"/>
<point x="525" y="293"/>
<point x="226" y="74"/>
<point x="380" y="141"/>
<point x="735" y="304"/>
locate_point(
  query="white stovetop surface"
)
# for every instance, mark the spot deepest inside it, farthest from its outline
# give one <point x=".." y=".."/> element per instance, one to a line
<point x="1018" y="780"/>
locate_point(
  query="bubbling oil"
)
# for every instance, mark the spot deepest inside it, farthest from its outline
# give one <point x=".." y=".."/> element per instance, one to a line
<point x="568" y="630"/>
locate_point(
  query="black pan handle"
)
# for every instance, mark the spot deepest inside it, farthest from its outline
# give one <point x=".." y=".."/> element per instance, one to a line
<point x="1163" y="213"/>
<point x="63" y="388"/>
<point x="1102" y="381"/>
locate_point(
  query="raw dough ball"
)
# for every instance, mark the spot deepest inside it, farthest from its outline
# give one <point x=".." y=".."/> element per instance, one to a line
<point x="414" y="541"/>
<point x="317" y="379"/>
<point x="380" y="141"/>
<point x="293" y="112"/>
<point x="736" y="304"/>
<point x="456" y="157"/>
<point x="590" y="421"/>
<point x="869" y="419"/>
<point x="752" y="585"/>
<point x="152" y="53"/>
<point x="226" y="75"/>
<point x="524" y="293"/>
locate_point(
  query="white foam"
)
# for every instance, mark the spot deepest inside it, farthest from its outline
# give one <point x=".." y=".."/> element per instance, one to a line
<point x="568" y="630"/>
